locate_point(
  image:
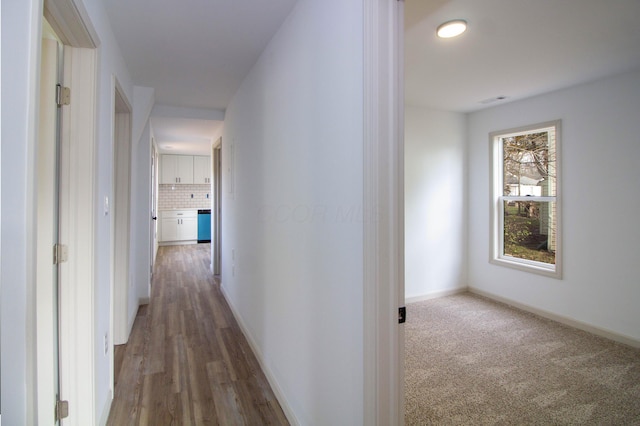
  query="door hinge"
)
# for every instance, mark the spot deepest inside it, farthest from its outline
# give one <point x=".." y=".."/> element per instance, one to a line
<point x="63" y="95"/>
<point x="62" y="410"/>
<point x="60" y="254"/>
<point x="402" y="314"/>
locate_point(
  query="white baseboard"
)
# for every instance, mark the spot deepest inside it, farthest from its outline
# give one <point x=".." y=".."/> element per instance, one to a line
<point x="143" y="301"/>
<point x="435" y="295"/>
<point x="607" y="334"/>
<point x="273" y="382"/>
<point x="177" y="243"/>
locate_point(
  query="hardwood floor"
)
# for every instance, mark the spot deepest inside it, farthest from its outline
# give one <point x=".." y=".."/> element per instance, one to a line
<point x="187" y="362"/>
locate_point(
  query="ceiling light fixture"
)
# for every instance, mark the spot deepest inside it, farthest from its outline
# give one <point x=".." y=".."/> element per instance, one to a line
<point x="452" y="28"/>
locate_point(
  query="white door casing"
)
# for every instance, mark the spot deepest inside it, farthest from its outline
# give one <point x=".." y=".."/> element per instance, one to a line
<point x="121" y="216"/>
<point x="384" y="212"/>
<point x="70" y="21"/>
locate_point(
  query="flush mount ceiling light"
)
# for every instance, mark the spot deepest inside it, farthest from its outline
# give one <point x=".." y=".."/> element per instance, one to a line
<point x="452" y="28"/>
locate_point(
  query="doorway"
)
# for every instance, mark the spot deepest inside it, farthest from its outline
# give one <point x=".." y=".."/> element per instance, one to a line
<point x="121" y="217"/>
<point x="216" y="217"/>
<point x="153" y="243"/>
<point x="65" y="181"/>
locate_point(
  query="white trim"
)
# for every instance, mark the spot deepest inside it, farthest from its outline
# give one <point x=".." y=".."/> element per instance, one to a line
<point x="271" y="378"/>
<point x="33" y="104"/>
<point x="602" y="332"/>
<point x="496" y="217"/>
<point x="383" y="231"/>
<point x="435" y="295"/>
<point x="69" y="19"/>
<point x="177" y="243"/>
<point x="121" y="213"/>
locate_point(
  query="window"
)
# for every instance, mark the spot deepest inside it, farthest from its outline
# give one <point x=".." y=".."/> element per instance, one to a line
<point x="524" y="201"/>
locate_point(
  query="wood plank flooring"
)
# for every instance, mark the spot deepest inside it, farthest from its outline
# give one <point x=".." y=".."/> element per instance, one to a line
<point x="187" y="361"/>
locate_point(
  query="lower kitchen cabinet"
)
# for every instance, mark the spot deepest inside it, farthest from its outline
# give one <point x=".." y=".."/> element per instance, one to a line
<point x="179" y="225"/>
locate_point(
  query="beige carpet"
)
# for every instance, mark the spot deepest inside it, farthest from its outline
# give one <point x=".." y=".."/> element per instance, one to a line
<point x="472" y="361"/>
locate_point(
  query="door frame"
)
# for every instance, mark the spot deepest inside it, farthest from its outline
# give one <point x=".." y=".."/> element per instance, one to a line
<point x="384" y="212"/>
<point x="121" y="320"/>
<point x="78" y="164"/>
<point x="153" y="208"/>
<point x="216" y="207"/>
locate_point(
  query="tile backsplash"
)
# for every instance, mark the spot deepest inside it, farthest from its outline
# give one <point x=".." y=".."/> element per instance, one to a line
<point x="179" y="197"/>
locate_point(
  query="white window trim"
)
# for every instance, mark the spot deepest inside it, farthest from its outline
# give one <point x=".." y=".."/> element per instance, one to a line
<point x="496" y="237"/>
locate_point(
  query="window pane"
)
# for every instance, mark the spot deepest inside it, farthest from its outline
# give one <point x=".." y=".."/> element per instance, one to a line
<point x="530" y="230"/>
<point x="529" y="166"/>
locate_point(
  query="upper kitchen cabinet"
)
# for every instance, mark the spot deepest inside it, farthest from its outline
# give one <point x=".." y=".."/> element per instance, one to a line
<point x="201" y="169"/>
<point x="176" y="169"/>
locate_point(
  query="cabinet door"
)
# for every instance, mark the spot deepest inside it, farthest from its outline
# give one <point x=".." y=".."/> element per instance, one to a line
<point x="185" y="168"/>
<point x="188" y="228"/>
<point x="201" y="169"/>
<point x="169" y="229"/>
<point x="169" y="169"/>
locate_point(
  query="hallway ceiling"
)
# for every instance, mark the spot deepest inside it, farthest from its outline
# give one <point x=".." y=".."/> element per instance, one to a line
<point x="195" y="53"/>
<point x="184" y="135"/>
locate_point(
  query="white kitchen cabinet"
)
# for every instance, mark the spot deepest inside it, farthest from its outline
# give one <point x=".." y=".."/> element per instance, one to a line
<point x="176" y="169"/>
<point x="201" y="169"/>
<point x="179" y="225"/>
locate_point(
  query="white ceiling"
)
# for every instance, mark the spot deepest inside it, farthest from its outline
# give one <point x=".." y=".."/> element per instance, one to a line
<point x="515" y="48"/>
<point x="185" y="136"/>
<point x="195" y="53"/>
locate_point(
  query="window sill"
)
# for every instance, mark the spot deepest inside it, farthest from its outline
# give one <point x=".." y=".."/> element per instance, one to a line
<point x="531" y="266"/>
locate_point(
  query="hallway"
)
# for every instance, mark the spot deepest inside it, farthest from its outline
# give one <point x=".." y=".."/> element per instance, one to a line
<point x="187" y="362"/>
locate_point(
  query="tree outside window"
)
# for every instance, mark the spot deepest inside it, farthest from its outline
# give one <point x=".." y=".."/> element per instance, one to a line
<point x="524" y="207"/>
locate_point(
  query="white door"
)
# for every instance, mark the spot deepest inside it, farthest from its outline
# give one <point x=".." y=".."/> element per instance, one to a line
<point x="47" y="271"/>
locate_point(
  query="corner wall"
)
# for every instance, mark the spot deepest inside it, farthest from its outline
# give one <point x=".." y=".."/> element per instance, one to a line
<point x="292" y="211"/>
<point x="435" y="210"/>
<point x="600" y="152"/>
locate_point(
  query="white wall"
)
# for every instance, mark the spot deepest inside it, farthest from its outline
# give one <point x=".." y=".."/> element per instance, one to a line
<point x="292" y="242"/>
<point x="600" y="203"/>
<point x="435" y="214"/>
<point x="20" y="40"/>
<point x="111" y="63"/>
